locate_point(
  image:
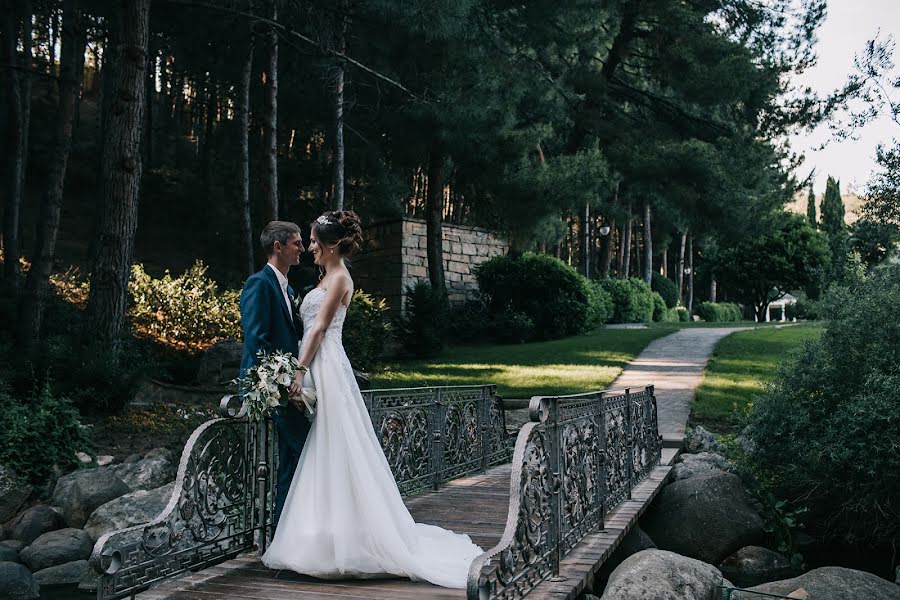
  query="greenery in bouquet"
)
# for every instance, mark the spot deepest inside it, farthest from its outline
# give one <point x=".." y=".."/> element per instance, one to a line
<point x="264" y="386"/>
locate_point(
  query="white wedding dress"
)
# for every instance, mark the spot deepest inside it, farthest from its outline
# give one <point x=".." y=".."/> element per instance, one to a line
<point x="344" y="516"/>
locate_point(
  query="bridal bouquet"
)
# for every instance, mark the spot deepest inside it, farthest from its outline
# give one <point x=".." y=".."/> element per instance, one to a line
<point x="264" y="386"/>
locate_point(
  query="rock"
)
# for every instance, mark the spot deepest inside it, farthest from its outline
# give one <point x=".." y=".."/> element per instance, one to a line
<point x="8" y="554"/>
<point x="753" y="565"/>
<point x="79" y="493"/>
<point x="34" y="522"/>
<point x="633" y="542"/>
<point x="65" y="574"/>
<point x="220" y="363"/>
<point x="744" y="441"/>
<point x="13" y="493"/>
<point x="132" y="509"/>
<point x="131" y="459"/>
<point x="84" y="458"/>
<point x="56" y="548"/>
<point x="662" y="575"/>
<point x="16" y="582"/>
<point x="833" y="583"/>
<point x="688" y="465"/>
<point x="707" y="517"/>
<point x="88" y="581"/>
<point x="152" y="471"/>
<point x="588" y="597"/>
<point x="16" y="545"/>
<point x="104" y="460"/>
<point x="699" y="439"/>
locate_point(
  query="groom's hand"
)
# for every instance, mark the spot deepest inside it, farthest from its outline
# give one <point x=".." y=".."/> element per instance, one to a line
<point x="297" y="402"/>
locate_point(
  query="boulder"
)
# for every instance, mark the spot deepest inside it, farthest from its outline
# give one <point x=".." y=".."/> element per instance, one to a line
<point x="220" y="363"/>
<point x="131" y="459"/>
<point x="131" y="509"/>
<point x="708" y="517"/>
<point x="65" y="574"/>
<point x="753" y="565"/>
<point x="698" y="439"/>
<point x="633" y="542"/>
<point x="833" y="583"/>
<point x="662" y="575"/>
<point x="13" y="493"/>
<point x="79" y="493"/>
<point x="34" y="522"/>
<point x="57" y="548"/>
<point x="14" y="544"/>
<point x="104" y="460"/>
<point x="152" y="471"/>
<point x="16" y="582"/>
<point x="688" y="465"/>
<point x="8" y="554"/>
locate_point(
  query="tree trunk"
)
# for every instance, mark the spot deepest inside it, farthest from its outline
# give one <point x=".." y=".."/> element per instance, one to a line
<point x="434" y="201"/>
<point x="679" y="276"/>
<point x="620" y="258"/>
<point x="712" y="290"/>
<point x="663" y="263"/>
<point x="31" y="307"/>
<point x="648" y="245"/>
<point x="106" y="84"/>
<point x="269" y="162"/>
<point x="120" y="180"/>
<point x="586" y="241"/>
<point x="212" y="100"/>
<point x="15" y="146"/>
<point x="339" y="75"/>
<point x="690" y="267"/>
<point x="608" y="249"/>
<point x="626" y="250"/>
<point x="242" y="107"/>
<point x="25" y="82"/>
<point x="177" y="123"/>
<point x="149" y="80"/>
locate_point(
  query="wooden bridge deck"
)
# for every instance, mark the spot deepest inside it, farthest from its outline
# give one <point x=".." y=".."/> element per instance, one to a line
<point x="476" y="505"/>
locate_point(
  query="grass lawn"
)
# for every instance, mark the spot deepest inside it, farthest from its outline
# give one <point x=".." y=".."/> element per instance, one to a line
<point x="739" y="369"/>
<point x="567" y="366"/>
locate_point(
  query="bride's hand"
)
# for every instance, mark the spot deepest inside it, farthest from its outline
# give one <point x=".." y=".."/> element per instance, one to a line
<point x="294" y="389"/>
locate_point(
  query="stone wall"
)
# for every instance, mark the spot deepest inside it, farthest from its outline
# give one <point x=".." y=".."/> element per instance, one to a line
<point x="395" y="257"/>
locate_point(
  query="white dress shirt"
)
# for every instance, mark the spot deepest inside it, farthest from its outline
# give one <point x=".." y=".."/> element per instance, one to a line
<point x="283" y="282"/>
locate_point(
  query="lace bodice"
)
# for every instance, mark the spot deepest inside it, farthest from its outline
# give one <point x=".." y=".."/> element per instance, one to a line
<point x="309" y="308"/>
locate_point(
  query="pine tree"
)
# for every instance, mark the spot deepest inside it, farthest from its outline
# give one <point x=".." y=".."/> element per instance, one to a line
<point x="832" y="223"/>
<point x="811" y="207"/>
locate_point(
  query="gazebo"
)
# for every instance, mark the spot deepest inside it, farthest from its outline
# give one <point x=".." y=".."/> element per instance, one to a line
<point x="781" y="303"/>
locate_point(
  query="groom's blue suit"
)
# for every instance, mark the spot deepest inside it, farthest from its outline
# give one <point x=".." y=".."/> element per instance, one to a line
<point x="268" y="325"/>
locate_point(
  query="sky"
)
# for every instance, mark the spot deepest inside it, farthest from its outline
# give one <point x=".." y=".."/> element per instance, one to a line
<point x="847" y="28"/>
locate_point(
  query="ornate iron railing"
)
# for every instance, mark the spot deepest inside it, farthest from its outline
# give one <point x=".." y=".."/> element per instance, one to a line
<point x="577" y="458"/>
<point x="221" y="505"/>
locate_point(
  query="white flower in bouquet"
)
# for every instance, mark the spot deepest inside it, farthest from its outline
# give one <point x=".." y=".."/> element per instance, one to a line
<point x="265" y="387"/>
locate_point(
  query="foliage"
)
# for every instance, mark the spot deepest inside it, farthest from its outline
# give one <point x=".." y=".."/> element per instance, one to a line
<point x="827" y="427"/>
<point x="366" y="328"/>
<point x="719" y="311"/>
<point x="422" y="327"/>
<point x="600" y="306"/>
<point x="39" y="434"/>
<point x="632" y="300"/>
<point x="883" y="189"/>
<point x="185" y="311"/>
<point x="469" y="322"/>
<point x="666" y="288"/>
<point x="790" y="255"/>
<point x="679" y="314"/>
<point x="511" y="326"/>
<point x="803" y="309"/>
<point x="811" y="208"/>
<point x="874" y="241"/>
<point x="660" y="311"/>
<point x="833" y="225"/>
<point x="545" y="289"/>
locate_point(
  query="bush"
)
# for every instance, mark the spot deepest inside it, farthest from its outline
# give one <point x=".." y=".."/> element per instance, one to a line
<point x="632" y="300"/>
<point x="185" y="311"/>
<point x="827" y="428"/>
<point x="423" y="326"/>
<point x="552" y="294"/>
<point x="666" y="288"/>
<point x="600" y="306"/>
<point x="40" y="434"/>
<point x="365" y="330"/>
<point x="719" y="311"/>
<point x="469" y="322"/>
<point x="512" y="327"/>
<point x="802" y="310"/>
<point x="678" y="314"/>
<point x="659" y="307"/>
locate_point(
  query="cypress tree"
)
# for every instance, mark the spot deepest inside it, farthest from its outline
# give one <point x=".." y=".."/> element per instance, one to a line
<point x="811" y="207"/>
<point x="832" y="223"/>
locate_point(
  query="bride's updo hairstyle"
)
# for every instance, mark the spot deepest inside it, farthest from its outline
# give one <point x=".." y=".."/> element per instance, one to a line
<point x="339" y="227"/>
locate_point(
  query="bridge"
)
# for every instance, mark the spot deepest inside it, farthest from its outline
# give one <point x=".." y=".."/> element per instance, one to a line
<point x="548" y="504"/>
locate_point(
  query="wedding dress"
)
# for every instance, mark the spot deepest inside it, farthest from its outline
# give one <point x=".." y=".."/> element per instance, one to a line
<point x="344" y="516"/>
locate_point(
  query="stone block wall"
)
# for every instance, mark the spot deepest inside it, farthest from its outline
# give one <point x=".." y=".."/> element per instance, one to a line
<point x="396" y="257"/>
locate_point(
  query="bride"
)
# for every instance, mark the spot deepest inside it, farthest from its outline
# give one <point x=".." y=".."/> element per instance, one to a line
<point x="344" y="516"/>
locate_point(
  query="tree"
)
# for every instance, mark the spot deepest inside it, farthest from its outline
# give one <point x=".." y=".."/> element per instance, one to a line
<point x="242" y="108"/>
<point x="269" y="117"/>
<point x="120" y="179"/>
<point x="833" y="225"/>
<point x="787" y="255"/>
<point x="811" y="207"/>
<point x="31" y="306"/>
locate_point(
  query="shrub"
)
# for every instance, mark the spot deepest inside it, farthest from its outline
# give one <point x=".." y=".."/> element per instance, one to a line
<point x="660" y="310"/>
<point x="469" y="322"/>
<point x="552" y="294"/>
<point x="512" y="327"/>
<point x="422" y="327"/>
<point x="600" y="306"/>
<point x="40" y="434"/>
<point x="719" y="311"/>
<point x="802" y="310"/>
<point x="365" y="330"/>
<point x="827" y="428"/>
<point x="678" y="314"/>
<point x="185" y="311"/>
<point x="632" y="300"/>
<point x="666" y="288"/>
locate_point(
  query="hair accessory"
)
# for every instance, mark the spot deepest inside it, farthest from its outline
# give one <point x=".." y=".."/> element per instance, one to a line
<point x="323" y="220"/>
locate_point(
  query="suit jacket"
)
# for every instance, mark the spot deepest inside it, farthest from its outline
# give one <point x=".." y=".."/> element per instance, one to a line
<point x="268" y="325"/>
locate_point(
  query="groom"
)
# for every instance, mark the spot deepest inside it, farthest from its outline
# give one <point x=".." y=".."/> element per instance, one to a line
<point x="268" y="323"/>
